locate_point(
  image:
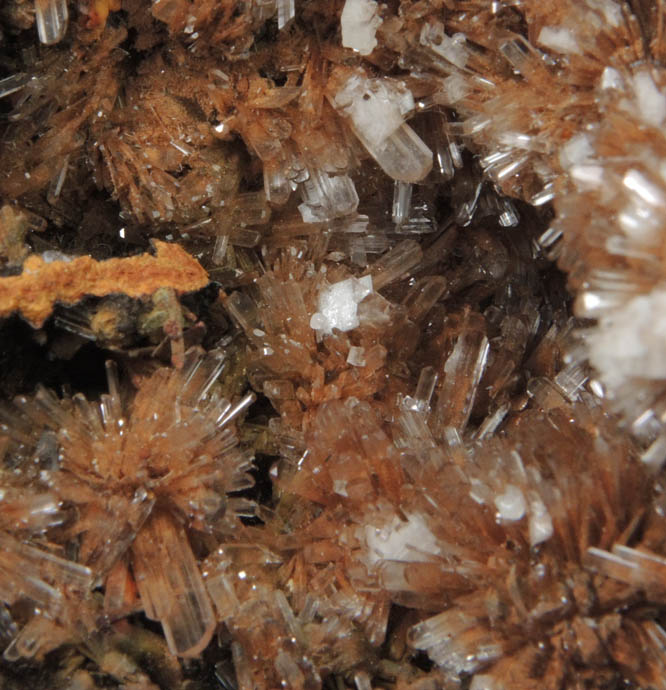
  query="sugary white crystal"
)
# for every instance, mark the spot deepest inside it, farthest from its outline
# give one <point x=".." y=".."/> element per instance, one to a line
<point x="576" y="151"/>
<point x="456" y="87"/>
<point x="631" y="340"/>
<point x="611" y="79"/>
<point x="612" y="11"/>
<point x="587" y="176"/>
<point x="540" y="522"/>
<point x="651" y="100"/>
<point x="511" y="505"/>
<point x="337" y="306"/>
<point x="410" y="541"/>
<point x="359" y="23"/>
<point x="451" y="48"/>
<point x="559" y="39"/>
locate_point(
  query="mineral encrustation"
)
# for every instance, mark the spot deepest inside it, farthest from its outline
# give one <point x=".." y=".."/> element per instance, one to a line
<point x="333" y="347"/>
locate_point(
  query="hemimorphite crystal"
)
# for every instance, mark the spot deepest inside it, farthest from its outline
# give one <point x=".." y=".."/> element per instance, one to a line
<point x="52" y="17"/>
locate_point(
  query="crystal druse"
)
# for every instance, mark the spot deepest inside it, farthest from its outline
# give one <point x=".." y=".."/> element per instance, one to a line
<point x="333" y="344"/>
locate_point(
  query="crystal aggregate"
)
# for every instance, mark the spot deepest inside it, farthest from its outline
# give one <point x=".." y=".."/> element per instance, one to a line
<point x="378" y="295"/>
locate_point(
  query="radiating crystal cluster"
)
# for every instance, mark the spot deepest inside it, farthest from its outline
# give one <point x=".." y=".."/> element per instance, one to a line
<point x="385" y="408"/>
<point x="122" y="485"/>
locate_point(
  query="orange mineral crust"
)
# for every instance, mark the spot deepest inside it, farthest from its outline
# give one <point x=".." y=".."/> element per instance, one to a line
<point x="43" y="283"/>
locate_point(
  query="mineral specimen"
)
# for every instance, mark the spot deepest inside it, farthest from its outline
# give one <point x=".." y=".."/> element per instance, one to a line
<point x="132" y="493"/>
<point x="391" y="411"/>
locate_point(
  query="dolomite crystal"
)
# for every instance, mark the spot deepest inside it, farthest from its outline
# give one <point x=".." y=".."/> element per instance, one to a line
<point x="337" y="305"/>
<point x="359" y="23"/>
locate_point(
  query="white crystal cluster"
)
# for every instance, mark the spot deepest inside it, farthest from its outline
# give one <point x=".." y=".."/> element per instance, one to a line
<point x="401" y="540"/>
<point x="337" y="305"/>
<point x="450" y="637"/>
<point x="606" y="178"/>
<point x="377" y="110"/>
<point x="514" y="503"/>
<point x="630" y="341"/>
<point x="359" y="22"/>
<point x="626" y="345"/>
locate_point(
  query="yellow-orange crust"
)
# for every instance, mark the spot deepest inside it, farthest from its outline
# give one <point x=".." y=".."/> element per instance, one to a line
<point x="42" y="284"/>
